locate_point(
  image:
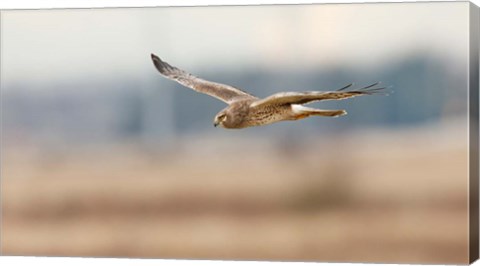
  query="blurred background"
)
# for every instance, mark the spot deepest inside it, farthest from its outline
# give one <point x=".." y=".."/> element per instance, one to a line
<point x="103" y="157"/>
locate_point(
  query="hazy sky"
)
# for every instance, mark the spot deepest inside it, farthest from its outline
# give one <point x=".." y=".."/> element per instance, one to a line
<point x="50" y="45"/>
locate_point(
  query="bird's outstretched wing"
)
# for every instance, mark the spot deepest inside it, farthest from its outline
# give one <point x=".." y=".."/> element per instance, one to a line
<point x="222" y="92"/>
<point x="312" y="96"/>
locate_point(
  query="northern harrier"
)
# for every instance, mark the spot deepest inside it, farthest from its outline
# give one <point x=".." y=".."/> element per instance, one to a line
<point x="246" y="110"/>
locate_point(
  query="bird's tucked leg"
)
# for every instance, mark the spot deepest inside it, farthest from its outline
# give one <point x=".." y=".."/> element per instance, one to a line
<point x="301" y="112"/>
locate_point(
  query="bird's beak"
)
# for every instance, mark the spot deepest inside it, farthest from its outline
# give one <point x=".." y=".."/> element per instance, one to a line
<point x="215" y="124"/>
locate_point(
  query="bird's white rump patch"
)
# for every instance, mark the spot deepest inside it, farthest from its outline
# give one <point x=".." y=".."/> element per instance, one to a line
<point x="300" y="109"/>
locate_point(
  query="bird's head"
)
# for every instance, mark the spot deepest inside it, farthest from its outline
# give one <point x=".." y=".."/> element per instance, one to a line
<point x="220" y="118"/>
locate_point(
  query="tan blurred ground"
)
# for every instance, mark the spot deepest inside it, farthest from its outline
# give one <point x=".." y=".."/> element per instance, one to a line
<point x="386" y="197"/>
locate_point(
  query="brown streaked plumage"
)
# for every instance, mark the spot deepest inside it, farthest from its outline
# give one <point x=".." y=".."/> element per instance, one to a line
<point x="246" y="110"/>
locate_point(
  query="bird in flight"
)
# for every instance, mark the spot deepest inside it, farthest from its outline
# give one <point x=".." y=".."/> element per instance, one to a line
<point x="245" y="110"/>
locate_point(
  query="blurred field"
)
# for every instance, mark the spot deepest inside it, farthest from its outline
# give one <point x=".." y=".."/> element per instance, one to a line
<point x="383" y="197"/>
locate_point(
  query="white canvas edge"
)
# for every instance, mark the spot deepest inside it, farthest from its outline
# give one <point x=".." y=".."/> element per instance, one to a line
<point x="54" y="261"/>
<point x="46" y="4"/>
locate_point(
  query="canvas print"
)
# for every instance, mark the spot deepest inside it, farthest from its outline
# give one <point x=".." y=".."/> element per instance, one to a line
<point x="321" y="132"/>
